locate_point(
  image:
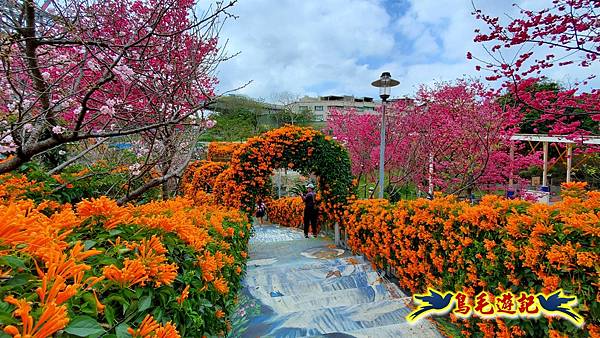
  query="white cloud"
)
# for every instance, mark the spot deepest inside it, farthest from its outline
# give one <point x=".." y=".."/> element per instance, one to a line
<point x="425" y="44"/>
<point x="320" y="47"/>
<point x="292" y="45"/>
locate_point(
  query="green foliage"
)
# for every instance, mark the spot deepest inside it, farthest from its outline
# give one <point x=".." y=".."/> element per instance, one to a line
<point x="289" y="116"/>
<point x="76" y="182"/>
<point x="589" y="170"/>
<point x="299" y="189"/>
<point x="396" y="192"/>
<point x="248" y="307"/>
<point x="238" y="117"/>
<point x="81" y="181"/>
<point x="84" y="326"/>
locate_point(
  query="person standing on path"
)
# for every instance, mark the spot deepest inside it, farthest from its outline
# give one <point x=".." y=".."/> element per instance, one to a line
<point x="310" y="210"/>
<point x="261" y="211"/>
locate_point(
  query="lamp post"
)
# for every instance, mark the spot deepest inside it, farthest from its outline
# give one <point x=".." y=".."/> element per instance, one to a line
<point x="385" y="83"/>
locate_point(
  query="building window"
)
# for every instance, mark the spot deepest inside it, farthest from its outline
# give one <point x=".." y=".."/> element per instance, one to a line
<point x="303" y="108"/>
<point x="318" y="117"/>
<point x="318" y="108"/>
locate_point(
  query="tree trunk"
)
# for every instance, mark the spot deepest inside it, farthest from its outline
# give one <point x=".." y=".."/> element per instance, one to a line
<point x="11" y="164"/>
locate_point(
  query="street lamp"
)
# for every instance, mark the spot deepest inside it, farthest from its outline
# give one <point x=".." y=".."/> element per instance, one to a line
<point x="385" y="83"/>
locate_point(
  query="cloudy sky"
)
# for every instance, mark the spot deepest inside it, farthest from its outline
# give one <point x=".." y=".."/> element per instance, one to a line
<point x="321" y="47"/>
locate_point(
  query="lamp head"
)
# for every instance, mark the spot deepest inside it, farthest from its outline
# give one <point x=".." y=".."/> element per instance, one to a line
<point x="385" y="83"/>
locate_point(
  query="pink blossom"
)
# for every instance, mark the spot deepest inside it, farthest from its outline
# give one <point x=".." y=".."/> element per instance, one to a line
<point x="58" y="130"/>
<point x="209" y="123"/>
<point x="135" y="169"/>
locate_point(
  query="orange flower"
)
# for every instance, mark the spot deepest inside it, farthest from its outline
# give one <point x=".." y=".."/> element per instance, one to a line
<point x="208" y="266"/>
<point x="14" y="187"/>
<point x="556" y="334"/>
<point x="573" y="189"/>
<point x="426" y="242"/>
<point x="221" y="285"/>
<point x="102" y="206"/>
<point x="133" y="272"/>
<point x="149" y="328"/>
<point x="587" y="259"/>
<point x="105" y="208"/>
<point x="219" y="314"/>
<point x="199" y="179"/>
<point x="221" y="151"/>
<point x="166" y="274"/>
<point x="167" y="331"/>
<point x="58" y="179"/>
<point x="184" y="294"/>
<point x="25" y="229"/>
<point x="150" y="263"/>
<point x="99" y="306"/>
<point x="52" y="319"/>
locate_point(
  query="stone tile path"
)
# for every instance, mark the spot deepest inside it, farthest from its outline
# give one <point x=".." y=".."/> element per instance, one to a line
<point x="297" y="287"/>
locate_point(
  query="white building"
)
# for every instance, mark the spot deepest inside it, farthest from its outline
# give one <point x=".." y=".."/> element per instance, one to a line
<point x="321" y="106"/>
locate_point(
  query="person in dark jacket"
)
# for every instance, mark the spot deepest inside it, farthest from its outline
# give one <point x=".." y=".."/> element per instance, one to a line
<point x="261" y="211"/>
<point x="310" y="210"/>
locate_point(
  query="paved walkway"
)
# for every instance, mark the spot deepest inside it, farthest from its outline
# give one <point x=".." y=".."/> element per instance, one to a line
<point x="297" y="287"/>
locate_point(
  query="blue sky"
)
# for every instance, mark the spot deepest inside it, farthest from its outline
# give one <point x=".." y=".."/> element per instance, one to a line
<point x="324" y="47"/>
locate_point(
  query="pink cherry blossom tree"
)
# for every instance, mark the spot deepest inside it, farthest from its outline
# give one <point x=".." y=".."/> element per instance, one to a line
<point x="359" y="132"/>
<point x="76" y="70"/>
<point x="522" y="50"/>
<point x="460" y="130"/>
<point x="465" y="133"/>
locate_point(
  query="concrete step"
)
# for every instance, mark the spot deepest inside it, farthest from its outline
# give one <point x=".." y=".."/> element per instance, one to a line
<point x="293" y="249"/>
<point x="263" y="274"/>
<point x="420" y="330"/>
<point x="333" y="319"/>
<point x="267" y="263"/>
<point x="279" y="277"/>
<point x="318" y="300"/>
<point x="332" y="283"/>
<point x="270" y="234"/>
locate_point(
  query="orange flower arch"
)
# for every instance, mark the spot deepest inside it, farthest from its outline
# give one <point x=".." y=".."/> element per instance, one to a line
<point x="303" y="149"/>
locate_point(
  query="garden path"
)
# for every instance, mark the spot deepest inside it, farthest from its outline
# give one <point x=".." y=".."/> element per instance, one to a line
<point x="297" y="287"/>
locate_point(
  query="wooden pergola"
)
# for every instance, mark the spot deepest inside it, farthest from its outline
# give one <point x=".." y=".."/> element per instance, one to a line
<point x="535" y="140"/>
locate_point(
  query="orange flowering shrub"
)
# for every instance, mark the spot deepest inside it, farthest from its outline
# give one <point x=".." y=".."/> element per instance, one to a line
<point x="200" y="177"/>
<point x="98" y="265"/>
<point x="497" y="245"/>
<point x="221" y="151"/>
<point x="302" y="149"/>
<point x="287" y="211"/>
<point x="17" y="186"/>
<point x="72" y="185"/>
<point x="573" y="189"/>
